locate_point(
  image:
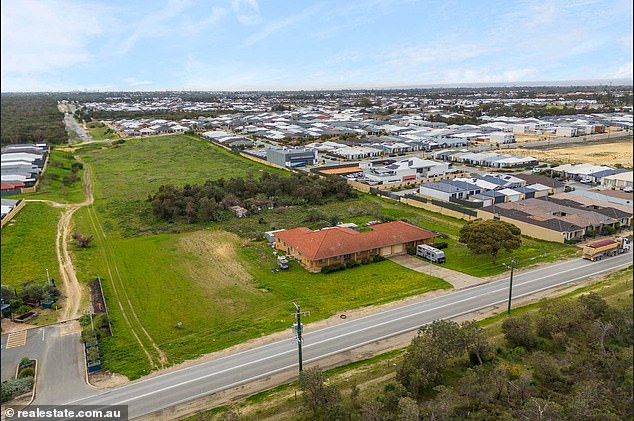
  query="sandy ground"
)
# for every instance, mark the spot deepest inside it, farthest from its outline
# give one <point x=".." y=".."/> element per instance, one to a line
<point x="599" y="154"/>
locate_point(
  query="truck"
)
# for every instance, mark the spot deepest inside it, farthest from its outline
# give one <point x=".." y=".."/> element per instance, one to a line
<point x="430" y="253"/>
<point x="282" y="262"/>
<point x="606" y="248"/>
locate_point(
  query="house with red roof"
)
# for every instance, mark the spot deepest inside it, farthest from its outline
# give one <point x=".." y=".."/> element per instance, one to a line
<point x="328" y="246"/>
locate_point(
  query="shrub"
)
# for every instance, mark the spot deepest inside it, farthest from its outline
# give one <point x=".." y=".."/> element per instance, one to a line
<point x="23" y="309"/>
<point x="365" y="261"/>
<point x="441" y="245"/>
<point x="378" y="258"/>
<point x="70" y="179"/>
<point x="608" y="230"/>
<point x="26" y="372"/>
<point x="333" y="268"/>
<point x="15" y="387"/>
<point x="411" y="251"/>
<point x="118" y="142"/>
<point x="76" y="166"/>
<point x="81" y="240"/>
<point x="84" y="320"/>
<point x="352" y="263"/>
<point x="25" y="362"/>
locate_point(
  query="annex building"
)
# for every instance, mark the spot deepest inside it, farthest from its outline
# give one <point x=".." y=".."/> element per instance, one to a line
<point x="328" y="246"/>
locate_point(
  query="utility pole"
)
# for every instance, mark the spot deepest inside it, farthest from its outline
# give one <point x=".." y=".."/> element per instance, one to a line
<point x="511" y="266"/>
<point x="297" y="330"/>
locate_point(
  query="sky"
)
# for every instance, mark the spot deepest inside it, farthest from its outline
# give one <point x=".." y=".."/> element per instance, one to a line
<point x="228" y="45"/>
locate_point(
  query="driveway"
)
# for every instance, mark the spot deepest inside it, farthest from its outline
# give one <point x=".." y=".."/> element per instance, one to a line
<point x="459" y="280"/>
<point x="58" y="350"/>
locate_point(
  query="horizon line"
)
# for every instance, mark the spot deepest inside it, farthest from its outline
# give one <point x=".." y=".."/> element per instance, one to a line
<point x="622" y="82"/>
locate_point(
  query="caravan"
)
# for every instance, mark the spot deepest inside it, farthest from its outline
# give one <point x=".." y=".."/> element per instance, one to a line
<point x="430" y="253"/>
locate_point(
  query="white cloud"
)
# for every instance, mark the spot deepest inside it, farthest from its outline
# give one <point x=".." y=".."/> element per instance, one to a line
<point x="38" y="37"/>
<point x="154" y="25"/>
<point x="280" y="24"/>
<point x="247" y="11"/>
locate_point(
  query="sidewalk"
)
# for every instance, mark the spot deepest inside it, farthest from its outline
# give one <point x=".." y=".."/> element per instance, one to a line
<point x="459" y="280"/>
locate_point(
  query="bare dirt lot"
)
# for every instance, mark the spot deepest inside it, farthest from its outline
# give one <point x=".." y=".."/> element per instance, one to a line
<point x="599" y="153"/>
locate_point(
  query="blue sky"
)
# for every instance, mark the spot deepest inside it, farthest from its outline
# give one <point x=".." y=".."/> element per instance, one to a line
<point x="257" y="45"/>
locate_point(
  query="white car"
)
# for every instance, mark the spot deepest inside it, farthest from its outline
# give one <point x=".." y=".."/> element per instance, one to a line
<point x="628" y="189"/>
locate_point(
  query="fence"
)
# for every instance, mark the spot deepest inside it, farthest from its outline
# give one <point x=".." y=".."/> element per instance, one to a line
<point x="13" y="212"/>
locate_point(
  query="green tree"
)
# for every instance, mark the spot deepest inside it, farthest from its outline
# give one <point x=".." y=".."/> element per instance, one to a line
<point x="490" y="236"/>
<point x="318" y="396"/>
<point x="518" y="331"/>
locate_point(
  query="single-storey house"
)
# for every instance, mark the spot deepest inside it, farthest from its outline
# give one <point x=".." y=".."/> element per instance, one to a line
<point x="328" y="246"/>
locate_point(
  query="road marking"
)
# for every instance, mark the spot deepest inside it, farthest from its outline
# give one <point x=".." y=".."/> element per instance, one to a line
<point x="16" y="339"/>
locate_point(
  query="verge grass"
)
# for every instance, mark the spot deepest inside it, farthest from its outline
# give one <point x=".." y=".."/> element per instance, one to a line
<point x="372" y="374"/>
<point x="28" y="245"/>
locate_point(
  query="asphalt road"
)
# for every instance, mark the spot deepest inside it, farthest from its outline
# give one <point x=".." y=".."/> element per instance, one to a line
<point x="152" y="394"/>
<point x="60" y="364"/>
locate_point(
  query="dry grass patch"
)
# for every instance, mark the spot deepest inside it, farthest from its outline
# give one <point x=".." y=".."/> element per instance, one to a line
<point x="599" y="154"/>
<point x="215" y="263"/>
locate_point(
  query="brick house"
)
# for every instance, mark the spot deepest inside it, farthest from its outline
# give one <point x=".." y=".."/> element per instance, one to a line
<point x="316" y="249"/>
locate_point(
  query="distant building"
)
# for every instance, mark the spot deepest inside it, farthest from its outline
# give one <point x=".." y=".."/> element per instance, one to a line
<point x="404" y="170"/>
<point x="238" y="211"/>
<point x="287" y="157"/>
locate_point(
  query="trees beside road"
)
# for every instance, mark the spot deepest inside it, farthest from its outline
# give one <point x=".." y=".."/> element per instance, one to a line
<point x="490" y="236"/>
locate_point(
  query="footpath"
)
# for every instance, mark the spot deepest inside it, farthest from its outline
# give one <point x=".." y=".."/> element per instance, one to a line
<point x="457" y="279"/>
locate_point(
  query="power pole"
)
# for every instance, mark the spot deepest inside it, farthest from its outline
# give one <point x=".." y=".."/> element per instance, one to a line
<point x="511" y="266"/>
<point x="297" y="330"/>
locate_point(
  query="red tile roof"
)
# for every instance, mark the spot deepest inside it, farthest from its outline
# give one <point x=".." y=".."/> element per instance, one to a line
<point x="338" y="241"/>
<point x="10" y="185"/>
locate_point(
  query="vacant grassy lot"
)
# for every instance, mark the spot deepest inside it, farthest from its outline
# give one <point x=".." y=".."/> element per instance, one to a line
<point x="101" y="133"/>
<point x="126" y="174"/>
<point x="28" y="245"/>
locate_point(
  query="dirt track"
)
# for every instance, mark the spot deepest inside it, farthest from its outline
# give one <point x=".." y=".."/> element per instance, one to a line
<point x="70" y="285"/>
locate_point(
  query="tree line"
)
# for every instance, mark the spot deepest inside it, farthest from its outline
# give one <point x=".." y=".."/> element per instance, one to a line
<point x="31" y="118"/>
<point x="571" y="360"/>
<point x="211" y="200"/>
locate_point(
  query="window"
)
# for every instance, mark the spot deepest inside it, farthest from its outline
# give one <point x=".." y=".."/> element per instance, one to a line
<point x="347" y="256"/>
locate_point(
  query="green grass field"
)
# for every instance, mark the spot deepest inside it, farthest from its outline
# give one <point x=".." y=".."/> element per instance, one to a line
<point x="223" y="291"/>
<point x="28" y="245"/>
<point x="219" y="285"/>
<point x="126" y="174"/>
<point x="102" y="133"/>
